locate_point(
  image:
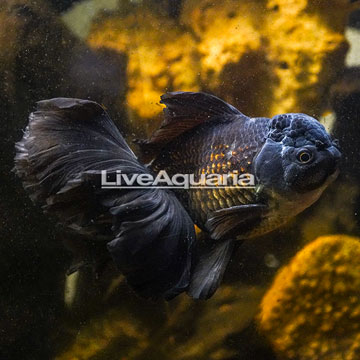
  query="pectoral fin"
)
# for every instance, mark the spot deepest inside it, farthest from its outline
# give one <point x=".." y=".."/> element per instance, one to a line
<point x="234" y="221"/>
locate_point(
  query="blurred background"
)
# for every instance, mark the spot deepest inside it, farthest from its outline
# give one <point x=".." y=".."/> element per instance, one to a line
<point x="264" y="57"/>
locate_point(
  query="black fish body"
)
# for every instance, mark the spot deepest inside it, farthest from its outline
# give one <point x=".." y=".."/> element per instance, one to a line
<point x="229" y="143"/>
<point x="150" y="232"/>
<point x="219" y="148"/>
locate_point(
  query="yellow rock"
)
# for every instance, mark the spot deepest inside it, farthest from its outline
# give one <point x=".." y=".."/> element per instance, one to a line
<point x="307" y="47"/>
<point x="226" y="34"/>
<point x="160" y="56"/>
<point x="265" y="57"/>
<point x="312" y="310"/>
<point x="232" y="50"/>
<point x="295" y="50"/>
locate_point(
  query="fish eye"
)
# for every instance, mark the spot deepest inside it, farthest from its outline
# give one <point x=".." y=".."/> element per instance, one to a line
<point x="304" y="156"/>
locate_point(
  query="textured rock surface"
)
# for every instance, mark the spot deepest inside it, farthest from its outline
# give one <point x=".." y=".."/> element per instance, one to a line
<point x="185" y="330"/>
<point x="266" y="57"/>
<point x="304" y="38"/>
<point x="160" y="57"/>
<point x="312" y="310"/>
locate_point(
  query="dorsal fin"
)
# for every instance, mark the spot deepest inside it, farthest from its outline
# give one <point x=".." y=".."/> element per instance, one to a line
<point x="184" y="111"/>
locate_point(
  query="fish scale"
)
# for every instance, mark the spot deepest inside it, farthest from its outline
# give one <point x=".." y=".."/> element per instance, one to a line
<point x="220" y="149"/>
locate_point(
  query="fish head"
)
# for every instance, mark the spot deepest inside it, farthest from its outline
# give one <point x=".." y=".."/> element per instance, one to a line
<point x="298" y="157"/>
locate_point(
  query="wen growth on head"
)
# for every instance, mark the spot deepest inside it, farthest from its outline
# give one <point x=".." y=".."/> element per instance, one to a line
<point x="148" y="231"/>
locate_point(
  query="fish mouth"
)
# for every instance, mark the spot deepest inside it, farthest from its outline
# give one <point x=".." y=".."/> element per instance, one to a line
<point x="334" y="159"/>
<point x="333" y="176"/>
<point x="332" y="169"/>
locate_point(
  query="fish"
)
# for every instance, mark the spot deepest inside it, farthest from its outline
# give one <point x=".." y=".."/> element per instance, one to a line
<point x="149" y="232"/>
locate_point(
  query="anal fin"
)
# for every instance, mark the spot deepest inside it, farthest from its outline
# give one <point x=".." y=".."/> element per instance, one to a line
<point x="209" y="269"/>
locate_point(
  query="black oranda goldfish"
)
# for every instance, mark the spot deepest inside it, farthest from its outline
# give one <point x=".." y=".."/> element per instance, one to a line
<point x="69" y="144"/>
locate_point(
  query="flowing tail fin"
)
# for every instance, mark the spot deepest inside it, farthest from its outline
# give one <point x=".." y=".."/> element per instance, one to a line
<point x="65" y="147"/>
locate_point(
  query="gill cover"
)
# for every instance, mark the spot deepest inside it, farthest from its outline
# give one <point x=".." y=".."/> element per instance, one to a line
<point x="148" y="233"/>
